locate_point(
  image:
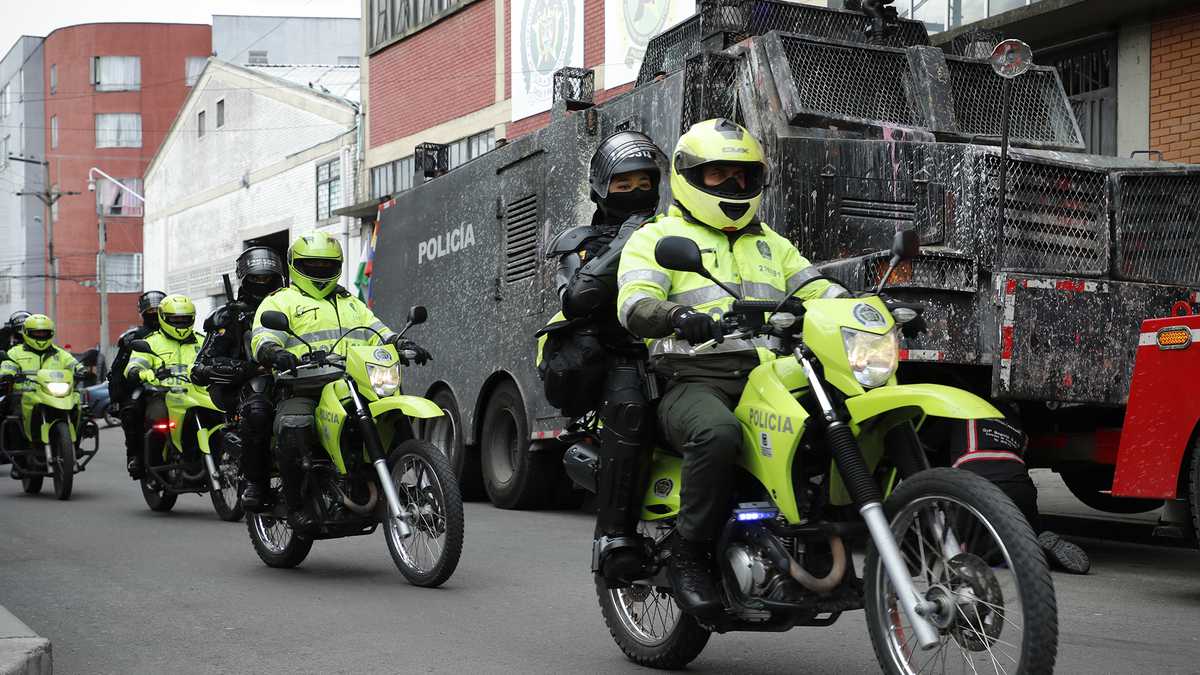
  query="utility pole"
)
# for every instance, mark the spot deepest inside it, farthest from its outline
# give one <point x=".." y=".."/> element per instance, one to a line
<point x="48" y="197"/>
<point x="102" y="256"/>
<point x="1010" y="59"/>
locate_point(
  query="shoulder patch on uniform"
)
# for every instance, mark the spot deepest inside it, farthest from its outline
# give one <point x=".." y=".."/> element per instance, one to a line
<point x="764" y="249"/>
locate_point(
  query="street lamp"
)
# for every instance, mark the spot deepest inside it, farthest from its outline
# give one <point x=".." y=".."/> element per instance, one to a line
<point x="1010" y="59"/>
<point x="102" y="258"/>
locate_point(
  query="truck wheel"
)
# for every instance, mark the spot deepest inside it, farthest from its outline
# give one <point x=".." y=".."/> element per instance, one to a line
<point x="446" y="432"/>
<point x="1090" y="484"/>
<point x="514" y="477"/>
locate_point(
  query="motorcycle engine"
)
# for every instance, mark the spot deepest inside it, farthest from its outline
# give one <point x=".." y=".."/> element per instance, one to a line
<point x="752" y="570"/>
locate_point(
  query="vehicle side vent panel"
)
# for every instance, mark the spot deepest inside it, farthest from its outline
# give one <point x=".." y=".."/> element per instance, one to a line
<point x="1158" y="228"/>
<point x="861" y="215"/>
<point x="521" y="239"/>
<point x="1056" y="218"/>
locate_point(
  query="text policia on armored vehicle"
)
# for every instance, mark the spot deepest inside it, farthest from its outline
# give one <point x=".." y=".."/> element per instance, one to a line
<point x="866" y="132"/>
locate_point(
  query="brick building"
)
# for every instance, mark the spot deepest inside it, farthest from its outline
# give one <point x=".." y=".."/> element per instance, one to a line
<point x="442" y="71"/>
<point x="1131" y="69"/>
<point x="112" y="91"/>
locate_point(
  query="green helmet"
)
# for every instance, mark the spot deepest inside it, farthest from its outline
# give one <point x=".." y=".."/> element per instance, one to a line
<point x="732" y="203"/>
<point x="315" y="263"/>
<point x="176" y="316"/>
<point x="38" y="332"/>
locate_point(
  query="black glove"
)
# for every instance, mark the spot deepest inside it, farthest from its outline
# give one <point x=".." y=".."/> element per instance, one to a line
<point x="282" y="360"/>
<point x="695" y="327"/>
<point x="421" y="355"/>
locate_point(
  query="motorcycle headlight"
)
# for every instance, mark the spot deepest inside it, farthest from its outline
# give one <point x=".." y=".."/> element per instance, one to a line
<point x="58" y="389"/>
<point x="385" y="380"/>
<point x="873" y="358"/>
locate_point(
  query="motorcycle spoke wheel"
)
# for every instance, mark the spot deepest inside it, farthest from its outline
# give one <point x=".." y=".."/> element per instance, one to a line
<point x="227" y="501"/>
<point x="646" y="623"/>
<point x="993" y="614"/>
<point x="274" y="541"/>
<point x="429" y="492"/>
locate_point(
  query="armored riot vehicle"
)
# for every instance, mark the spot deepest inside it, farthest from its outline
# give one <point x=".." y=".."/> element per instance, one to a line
<point x="1036" y="305"/>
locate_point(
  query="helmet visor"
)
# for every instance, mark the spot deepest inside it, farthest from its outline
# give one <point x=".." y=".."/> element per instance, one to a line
<point x="321" y="269"/>
<point x="44" y="334"/>
<point x="730" y="180"/>
<point x="179" y="320"/>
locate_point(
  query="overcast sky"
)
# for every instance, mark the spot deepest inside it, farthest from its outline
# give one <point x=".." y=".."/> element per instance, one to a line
<point x="39" y="17"/>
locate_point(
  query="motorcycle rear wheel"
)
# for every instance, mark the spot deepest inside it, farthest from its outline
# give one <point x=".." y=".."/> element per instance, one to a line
<point x="428" y="488"/>
<point x="64" y="460"/>
<point x="997" y="609"/>
<point x="274" y="541"/>
<point x="646" y="623"/>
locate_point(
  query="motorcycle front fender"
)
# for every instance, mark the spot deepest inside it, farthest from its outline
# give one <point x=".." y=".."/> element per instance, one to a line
<point x="204" y="437"/>
<point x="412" y="406"/>
<point x="926" y="400"/>
<point x="45" y="431"/>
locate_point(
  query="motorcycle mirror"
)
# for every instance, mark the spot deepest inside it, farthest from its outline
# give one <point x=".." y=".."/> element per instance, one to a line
<point x="141" y="346"/>
<point x="417" y="315"/>
<point x="1011" y="58"/>
<point x="680" y="254"/>
<point x="276" y="321"/>
<point x="906" y="245"/>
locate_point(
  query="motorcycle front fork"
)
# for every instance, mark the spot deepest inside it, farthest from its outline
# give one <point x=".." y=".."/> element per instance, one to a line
<point x="374" y="446"/>
<point x="916" y="608"/>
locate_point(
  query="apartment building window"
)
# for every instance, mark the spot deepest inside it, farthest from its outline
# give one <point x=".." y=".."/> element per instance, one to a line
<point x="111" y="200"/>
<point x="123" y="272"/>
<point x="117" y="73"/>
<point x="54" y="131"/>
<point x="119" y="130"/>
<point x="258" y="58"/>
<point x="5" y="102"/>
<point x="4" y="151"/>
<point x="192" y="67"/>
<point x="53" y="78"/>
<point x="347" y="60"/>
<point x="200" y="124"/>
<point x="392" y="178"/>
<point x="465" y="149"/>
<point x="329" y="188"/>
<point x="220" y="113"/>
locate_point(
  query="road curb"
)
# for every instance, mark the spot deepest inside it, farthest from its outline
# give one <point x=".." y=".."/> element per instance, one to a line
<point x="22" y="651"/>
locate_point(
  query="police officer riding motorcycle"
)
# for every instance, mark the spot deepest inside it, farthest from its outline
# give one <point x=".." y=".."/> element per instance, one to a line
<point x="589" y="361"/>
<point x="319" y="313"/>
<point x="123" y="393"/>
<point x="235" y="380"/>
<point x="10" y="333"/>
<point x="718" y="172"/>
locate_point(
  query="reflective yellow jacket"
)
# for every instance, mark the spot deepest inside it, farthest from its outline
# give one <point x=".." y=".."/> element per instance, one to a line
<point x="167" y="353"/>
<point x="320" y="322"/>
<point x="24" y="361"/>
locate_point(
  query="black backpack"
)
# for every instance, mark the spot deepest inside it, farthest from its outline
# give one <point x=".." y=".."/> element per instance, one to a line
<point x="573" y="368"/>
<point x="118" y="387"/>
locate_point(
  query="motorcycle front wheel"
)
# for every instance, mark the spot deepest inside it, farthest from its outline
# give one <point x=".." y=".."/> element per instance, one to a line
<point x="63" y="449"/>
<point x="273" y="540"/>
<point x="227" y="501"/>
<point x="970" y="551"/>
<point x="646" y="623"/>
<point x="429" y="491"/>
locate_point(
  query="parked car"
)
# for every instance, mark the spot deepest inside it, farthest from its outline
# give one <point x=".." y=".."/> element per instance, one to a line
<point x="98" y="404"/>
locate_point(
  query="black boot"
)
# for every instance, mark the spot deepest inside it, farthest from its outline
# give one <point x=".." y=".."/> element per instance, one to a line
<point x="255" y="496"/>
<point x="135" y="468"/>
<point x="300" y="520"/>
<point x="691" y="574"/>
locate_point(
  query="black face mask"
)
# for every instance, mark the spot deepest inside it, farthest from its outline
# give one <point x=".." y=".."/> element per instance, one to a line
<point x="618" y="206"/>
<point x="150" y="320"/>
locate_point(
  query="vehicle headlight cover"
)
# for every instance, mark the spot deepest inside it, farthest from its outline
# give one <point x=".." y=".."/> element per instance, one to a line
<point x="873" y="358"/>
<point x="59" y="389"/>
<point x="385" y="380"/>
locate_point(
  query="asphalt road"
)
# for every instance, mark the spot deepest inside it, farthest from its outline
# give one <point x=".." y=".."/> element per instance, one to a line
<point x="119" y="589"/>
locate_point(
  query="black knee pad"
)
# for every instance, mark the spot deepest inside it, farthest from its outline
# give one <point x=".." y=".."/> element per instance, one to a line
<point x="257" y="412"/>
<point x="626" y="428"/>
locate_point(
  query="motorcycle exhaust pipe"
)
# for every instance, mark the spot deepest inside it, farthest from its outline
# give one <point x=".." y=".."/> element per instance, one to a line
<point x="784" y="561"/>
<point x="212" y="472"/>
<point x="582" y="463"/>
<point x="363" y="509"/>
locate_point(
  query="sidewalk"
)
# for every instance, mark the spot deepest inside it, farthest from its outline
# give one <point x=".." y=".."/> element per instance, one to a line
<point x="22" y="652"/>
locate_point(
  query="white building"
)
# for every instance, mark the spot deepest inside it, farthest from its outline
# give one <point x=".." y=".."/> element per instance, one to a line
<point x="257" y="155"/>
<point x="263" y="40"/>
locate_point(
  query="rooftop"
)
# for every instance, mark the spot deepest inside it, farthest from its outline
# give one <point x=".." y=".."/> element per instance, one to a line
<point x="339" y="81"/>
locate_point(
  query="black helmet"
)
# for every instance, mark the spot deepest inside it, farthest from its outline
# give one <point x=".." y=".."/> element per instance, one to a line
<point x="17" y="318"/>
<point x="260" y="271"/>
<point x="623" y="152"/>
<point x="149" y="301"/>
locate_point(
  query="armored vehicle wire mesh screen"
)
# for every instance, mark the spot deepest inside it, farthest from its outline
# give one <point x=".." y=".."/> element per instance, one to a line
<point x="743" y="18"/>
<point x="1056" y="218"/>
<point x="831" y="80"/>
<point x="574" y="85"/>
<point x="709" y="89"/>
<point x="1158" y="228"/>
<point x="668" y="50"/>
<point x="1040" y="111"/>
